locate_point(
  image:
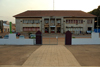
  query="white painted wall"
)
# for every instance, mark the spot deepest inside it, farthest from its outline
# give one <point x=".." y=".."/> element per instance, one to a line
<point x="13" y="41"/>
<point x="82" y="41"/>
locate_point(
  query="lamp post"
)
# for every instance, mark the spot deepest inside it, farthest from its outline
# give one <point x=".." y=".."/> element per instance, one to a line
<point x="97" y="23"/>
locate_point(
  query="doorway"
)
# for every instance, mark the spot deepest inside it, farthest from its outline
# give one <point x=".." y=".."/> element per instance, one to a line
<point x="58" y="29"/>
<point x="52" y="29"/>
<point x="46" y="29"/>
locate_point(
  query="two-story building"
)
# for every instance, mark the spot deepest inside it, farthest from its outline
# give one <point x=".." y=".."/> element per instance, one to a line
<point x="54" y="21"/>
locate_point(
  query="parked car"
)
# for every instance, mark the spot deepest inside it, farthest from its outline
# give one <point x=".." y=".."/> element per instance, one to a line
<point x="6" y="36"/>
<point x="1" y="37"/>
<point x="32" y="36"/>
<point x="18" y="34"/>
<point x="21" y="37"/>
<point x="88" y="32"/>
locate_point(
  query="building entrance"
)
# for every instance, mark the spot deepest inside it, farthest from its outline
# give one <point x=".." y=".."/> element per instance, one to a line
<point x="58" y="29"/>
<point x="52" y="29"/>
<point x="46" y="29"/>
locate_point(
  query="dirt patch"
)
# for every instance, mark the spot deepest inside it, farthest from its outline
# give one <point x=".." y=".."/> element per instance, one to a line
<point x="15" y="55"/>
<point x="86" y="55"/>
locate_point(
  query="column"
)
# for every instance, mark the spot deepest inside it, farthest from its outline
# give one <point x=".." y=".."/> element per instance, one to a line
<point x="61" y="25"/>
<point x="55" y="26"/>
<point x="49" y="25"/>
<point x="84" y="26"/>
<point x="21" y="25"/>
<point x="42" y="25"/>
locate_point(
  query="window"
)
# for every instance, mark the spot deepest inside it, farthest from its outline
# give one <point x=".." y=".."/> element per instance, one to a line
<point x="52" y="21"/>
<point x="81" y="21"/>
<point x="23" y="21"/>
<point x="71" y="21"/>
<point x="36" y="21"/>
<point x="89" y="21"/>
<point x="31" y="21"/>
<point x="66" y="21"/>
<point x="74" y="21"/>
<point x="46" y="21"/>
<point x="58" y="21"/>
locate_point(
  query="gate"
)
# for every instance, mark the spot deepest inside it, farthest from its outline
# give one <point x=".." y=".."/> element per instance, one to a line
<point x="68" y="38"/>
<point x="50" y="39"/>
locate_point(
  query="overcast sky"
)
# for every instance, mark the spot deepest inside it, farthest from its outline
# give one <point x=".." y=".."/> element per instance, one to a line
<point x="9" y="8"/>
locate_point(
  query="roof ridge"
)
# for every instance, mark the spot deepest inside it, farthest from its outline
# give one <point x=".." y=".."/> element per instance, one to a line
<point x="53" y="10"/>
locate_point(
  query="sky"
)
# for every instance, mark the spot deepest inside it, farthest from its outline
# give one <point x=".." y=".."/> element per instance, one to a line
<point x="9" y="8"/>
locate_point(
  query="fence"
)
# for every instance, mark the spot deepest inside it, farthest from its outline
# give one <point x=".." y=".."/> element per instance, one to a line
<point x="95" y="30"/>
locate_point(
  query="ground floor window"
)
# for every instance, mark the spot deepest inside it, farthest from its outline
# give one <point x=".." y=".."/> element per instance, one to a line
<point x="31" y="28"/>
<point x="75" y="30"/>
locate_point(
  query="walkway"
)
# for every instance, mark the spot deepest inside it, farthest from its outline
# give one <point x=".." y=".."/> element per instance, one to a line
<point x="51" y="55"/>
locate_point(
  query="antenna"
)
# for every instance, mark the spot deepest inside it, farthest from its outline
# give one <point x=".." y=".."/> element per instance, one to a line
<point x="53" y="4"/>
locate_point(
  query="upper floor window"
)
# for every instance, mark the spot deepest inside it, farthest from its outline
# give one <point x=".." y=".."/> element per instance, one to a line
<point x="71" y="21"/>
<point x="28" y="21"/>
<point x="89" y="21"/>
<point x="58" y="21"/>
<point x="36" y="21"/>
<point x="66" y="21"/>
<point x="46" y="21"/>
<point x="81" y="21"/>
<point x="52" y="21"/>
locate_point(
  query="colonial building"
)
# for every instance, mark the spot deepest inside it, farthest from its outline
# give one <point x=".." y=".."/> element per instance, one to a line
<point x="54" y="21"/>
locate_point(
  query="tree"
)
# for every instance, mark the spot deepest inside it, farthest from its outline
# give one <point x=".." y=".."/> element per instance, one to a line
<point x="97" y="13"/>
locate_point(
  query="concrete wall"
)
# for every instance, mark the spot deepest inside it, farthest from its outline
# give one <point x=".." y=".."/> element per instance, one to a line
<point x="84" y="41"/>
<point x="13" y="41"/>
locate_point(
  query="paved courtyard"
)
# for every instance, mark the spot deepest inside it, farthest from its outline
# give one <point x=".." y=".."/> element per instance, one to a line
<point x="50" y="56"/>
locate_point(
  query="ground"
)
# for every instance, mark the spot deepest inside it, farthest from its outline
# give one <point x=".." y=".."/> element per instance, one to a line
<point x="86" y="55"/>
<point x="15" y="55"/>
<point x="50" y="55"/>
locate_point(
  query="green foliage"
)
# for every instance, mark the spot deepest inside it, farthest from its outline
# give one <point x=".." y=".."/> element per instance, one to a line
<point x="73" y="37"/>
<point x="97" y="13"/>
<point x="33" y="37"/>
<point x="29" y="33"/>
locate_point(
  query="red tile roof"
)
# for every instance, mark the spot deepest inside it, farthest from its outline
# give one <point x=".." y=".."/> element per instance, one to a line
<point x="64" y="13"/>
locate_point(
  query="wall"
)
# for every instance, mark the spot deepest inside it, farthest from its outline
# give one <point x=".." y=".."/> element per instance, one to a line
<point x="20" y="25"/>
<point x="84" y="41"/>
<point x="84" y="25"/>
<point x="13" y="41"/>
